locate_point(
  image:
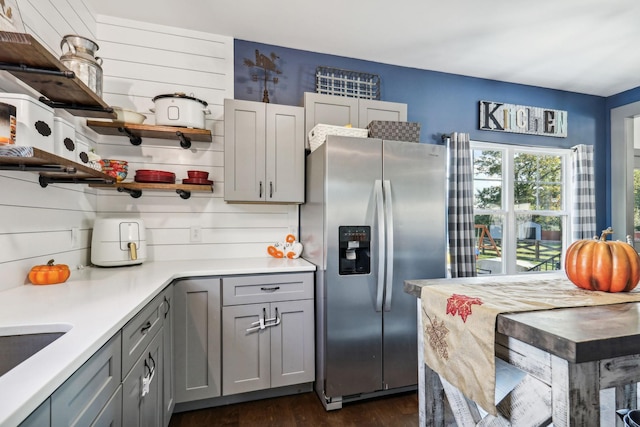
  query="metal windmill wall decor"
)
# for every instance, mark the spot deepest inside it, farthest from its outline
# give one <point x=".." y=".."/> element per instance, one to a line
<point x="265" y="68"/>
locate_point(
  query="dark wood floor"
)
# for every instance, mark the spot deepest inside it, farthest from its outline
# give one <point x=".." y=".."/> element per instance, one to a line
<point x="306" y="410"/>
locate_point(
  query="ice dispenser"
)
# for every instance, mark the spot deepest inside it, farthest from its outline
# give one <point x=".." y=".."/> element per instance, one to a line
<point x="355" y="243"/>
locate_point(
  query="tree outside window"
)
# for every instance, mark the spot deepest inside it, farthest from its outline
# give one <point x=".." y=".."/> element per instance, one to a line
<point x="520" y="206"/>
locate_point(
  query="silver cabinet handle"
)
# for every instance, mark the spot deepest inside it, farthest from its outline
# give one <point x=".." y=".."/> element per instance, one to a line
<point x="381" y="243"/>
<point x="388" y="203"/>
<point x="260" y="195"/>
<point x="271" y="189"/>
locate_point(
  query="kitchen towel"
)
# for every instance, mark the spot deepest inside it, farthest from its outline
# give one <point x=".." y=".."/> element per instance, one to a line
<point x="459" y="322"/>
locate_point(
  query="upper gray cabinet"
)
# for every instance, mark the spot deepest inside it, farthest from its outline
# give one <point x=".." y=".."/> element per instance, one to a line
<point x="342" y="110"/>
<point x="263" y="152"/>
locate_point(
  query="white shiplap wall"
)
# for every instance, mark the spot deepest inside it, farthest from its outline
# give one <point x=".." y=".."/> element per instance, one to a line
<point x="35" y="222"/>
<point x="140" y="61"/>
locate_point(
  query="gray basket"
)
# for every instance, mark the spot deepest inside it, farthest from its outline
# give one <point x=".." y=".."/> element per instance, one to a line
<point x="354" y="84"/>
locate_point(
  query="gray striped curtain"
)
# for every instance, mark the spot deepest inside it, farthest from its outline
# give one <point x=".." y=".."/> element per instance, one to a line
<point x="584" y="198"/>
<point x="461" y="221"/>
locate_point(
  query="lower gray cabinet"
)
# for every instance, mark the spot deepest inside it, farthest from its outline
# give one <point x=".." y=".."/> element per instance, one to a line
<point x="168" y="375"/>
<point x="281" y="354"/>
<point x="79" y="401"/>
<point x="267" y="332"/>
<point x="111" y="414"/>
<point x="41" y="417"/>
<point x="197" y="339"/>
<point x="142" y="391"/>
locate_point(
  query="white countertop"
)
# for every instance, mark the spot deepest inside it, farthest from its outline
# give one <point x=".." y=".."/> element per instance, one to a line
<point x="93" y="305"/>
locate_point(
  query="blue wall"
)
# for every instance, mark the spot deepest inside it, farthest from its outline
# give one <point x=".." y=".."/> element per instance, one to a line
<point x="441" y="102"/>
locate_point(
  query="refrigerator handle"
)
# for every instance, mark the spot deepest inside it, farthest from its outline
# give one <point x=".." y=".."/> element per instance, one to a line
<point x="381" y="243"/>
<point x="388" y="203"/>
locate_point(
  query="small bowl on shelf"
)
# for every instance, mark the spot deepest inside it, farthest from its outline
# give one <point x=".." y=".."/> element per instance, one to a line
<point x="115" y="168"/>
<point x="203" y="175"/>
<point x="128" y="116"/>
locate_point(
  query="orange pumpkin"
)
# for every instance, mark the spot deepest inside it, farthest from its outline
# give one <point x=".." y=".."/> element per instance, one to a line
<point x="49" y="274"/>
<point x="601" y="265"/>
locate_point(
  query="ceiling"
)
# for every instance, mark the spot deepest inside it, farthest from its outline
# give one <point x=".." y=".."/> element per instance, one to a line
<point x="585" y="46"/>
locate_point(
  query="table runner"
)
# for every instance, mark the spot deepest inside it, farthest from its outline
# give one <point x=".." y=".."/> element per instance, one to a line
<point x="459" y="322"/>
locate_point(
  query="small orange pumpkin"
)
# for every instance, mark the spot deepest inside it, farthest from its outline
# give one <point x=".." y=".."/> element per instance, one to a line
<point x="49" y="274"/>
<point x="601" y="265"/>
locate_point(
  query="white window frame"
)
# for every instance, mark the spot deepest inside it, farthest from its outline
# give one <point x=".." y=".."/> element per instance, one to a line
<point x="508" y="250"/>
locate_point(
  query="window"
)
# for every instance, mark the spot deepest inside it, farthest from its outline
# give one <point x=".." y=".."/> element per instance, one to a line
<point x="636" y="200"/>
<point x="520" y="203"/>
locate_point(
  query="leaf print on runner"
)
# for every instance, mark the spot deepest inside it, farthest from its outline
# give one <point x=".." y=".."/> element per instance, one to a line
<point x="461" y="305"/>
<point x="436" y="334"/>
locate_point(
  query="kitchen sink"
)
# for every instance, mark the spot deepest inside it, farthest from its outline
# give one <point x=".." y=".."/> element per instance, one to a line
<point x="17" y="344"/>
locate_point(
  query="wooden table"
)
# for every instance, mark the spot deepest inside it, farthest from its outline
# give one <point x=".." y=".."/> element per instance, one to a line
<point x="566" y="357"/>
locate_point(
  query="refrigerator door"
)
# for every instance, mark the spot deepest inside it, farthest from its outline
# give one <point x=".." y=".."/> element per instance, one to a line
<point x="416" y="176"/>
<point x="353" y="355"/>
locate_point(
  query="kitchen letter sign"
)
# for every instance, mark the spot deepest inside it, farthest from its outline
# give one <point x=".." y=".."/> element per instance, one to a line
<point x="522" y="119"/>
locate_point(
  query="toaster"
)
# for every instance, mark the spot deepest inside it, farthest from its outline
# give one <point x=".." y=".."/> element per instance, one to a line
<point x="118" y="241"/>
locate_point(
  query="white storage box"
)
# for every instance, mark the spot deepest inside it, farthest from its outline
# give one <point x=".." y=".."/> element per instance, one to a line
<point x="34" y="121"/>
<point x="318" y="135"/>
<point x="84" y="143"/>
<point x="64" y="139"/>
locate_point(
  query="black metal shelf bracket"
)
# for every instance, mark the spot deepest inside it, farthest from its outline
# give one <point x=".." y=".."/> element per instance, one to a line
<point x="184" y="193"/>
<point x="134" y="139"/>
<point x="37" y="168"/>
<point x="185" y="141"/>
<point x="32" y="70"/>
<point x="133" y="193"/>
<point x="45" y="180"/>
<point x="72" y="106"/>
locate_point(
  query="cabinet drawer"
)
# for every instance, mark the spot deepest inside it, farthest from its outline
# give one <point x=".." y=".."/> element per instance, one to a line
<point x="81" y="398"/>
<point x="266" y="288"/>
<point x="137" y="334"/>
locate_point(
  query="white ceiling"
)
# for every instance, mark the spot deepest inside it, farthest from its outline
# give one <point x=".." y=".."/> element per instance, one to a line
<point x="586" y="46"/>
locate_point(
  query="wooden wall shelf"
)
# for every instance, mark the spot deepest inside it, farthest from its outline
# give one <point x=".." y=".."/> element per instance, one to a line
<point x="136" y="132"/>
<point x="135" y="188"/>
<point x="25" y="58"/>
<point x="54" y="169"/>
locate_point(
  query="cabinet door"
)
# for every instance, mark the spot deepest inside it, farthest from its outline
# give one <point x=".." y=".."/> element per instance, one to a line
<point x="292" y="343"/>
<point x="284" y="154"/>
<point x="329" y="110"/>
<point x="244" y="151"/>
<point x="41" y="417"/>
<point x="168" y="376"/>
<point x="80" y="399"/>
<point x="138" y="332"/>
<point x="245" y="349"/>
<point x="369" y="109"/>
<point x="140" y="410"/>
<point x="111" y="415"/>
<point x="197" y="339"/>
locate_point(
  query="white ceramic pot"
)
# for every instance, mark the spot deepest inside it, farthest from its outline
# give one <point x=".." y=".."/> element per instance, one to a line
<point x="178" y="109"/>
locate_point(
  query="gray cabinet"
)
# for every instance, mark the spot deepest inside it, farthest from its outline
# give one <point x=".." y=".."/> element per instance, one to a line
<point x="81" y="398"/>
<point x="142" y="392"/>
<point x="197" y="349"/>
<point x="111" y="414"/>
<point x="41" y="417"/>
<point x="143" y="365"/>
<point x="108" y="389"/>
<point x="168" y="374"/>
<point x="263" y="153"/>
<point x="267" y="332"/>
<point x="341" y="110"/>
<point x="138" y="332"/>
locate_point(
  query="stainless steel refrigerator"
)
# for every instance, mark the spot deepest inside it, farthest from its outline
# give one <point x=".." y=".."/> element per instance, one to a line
<point x="374" y="217"/>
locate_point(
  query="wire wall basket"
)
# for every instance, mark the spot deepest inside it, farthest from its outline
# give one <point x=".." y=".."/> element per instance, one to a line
<point x="354" y="84"/>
